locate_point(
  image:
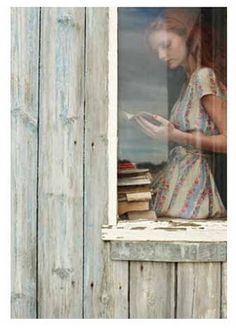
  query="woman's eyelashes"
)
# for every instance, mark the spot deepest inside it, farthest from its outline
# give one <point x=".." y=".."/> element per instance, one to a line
<point x="161" y="49"/>
<point x="165" y="46"/>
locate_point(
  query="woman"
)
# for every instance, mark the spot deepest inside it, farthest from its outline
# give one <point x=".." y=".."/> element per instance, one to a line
<point x="186" y="188"/>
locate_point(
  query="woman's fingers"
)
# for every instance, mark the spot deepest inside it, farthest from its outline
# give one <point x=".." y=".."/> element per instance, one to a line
<point x="153" y="131"/>
<point x="145" y="126"/>
<point x="148" y="124"/>
<point x="161" y="120"/>
<point x="145" y="129"/>
<point x="157" y="130"/>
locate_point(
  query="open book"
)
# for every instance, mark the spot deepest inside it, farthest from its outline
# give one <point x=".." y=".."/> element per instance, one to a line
<point x="158" y="120"/>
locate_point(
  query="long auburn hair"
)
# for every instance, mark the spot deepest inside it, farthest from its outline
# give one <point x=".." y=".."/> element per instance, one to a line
<point x="202" y="42"/>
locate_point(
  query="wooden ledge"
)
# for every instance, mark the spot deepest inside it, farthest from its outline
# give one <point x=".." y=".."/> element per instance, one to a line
<point x="167" y="230"/>
<point x="168" y="240"/>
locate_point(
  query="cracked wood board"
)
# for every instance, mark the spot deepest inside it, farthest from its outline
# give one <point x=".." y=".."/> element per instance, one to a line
<point x="168" y="230"/>
<point x="60" y="233"/>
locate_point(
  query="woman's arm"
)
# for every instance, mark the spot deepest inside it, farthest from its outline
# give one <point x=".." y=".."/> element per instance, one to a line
<point x="216" y="108"/>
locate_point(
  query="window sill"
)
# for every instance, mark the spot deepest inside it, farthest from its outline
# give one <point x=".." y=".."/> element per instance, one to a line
<point x="168" y="240"/>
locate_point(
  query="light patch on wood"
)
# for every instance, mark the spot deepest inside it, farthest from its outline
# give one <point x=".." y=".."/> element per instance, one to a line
<point x="198" y="290"/>
<point x="152" y="290"/>
<point x="224" y="290"/>
<point x="60" y="226"/>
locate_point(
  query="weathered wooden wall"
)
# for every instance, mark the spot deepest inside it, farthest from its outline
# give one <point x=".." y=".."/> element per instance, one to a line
<point x="61" y="268"/>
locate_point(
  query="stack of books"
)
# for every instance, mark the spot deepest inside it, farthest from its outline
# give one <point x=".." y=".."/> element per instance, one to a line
<point x="135" y="194"/>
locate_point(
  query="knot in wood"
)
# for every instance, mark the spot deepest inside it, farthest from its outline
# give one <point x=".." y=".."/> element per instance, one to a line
<point x="63" y="273"/>
<point x="150" y="298"/>
<point x="105" y="299"/>
<point x="66" y="20"/>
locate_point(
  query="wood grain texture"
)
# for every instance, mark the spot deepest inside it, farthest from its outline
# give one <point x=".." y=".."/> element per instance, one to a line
<point x="61" y="163"/>
<point x="24" y="123"/>
<point x="168" y="251"/>
<point x="198" y="290"/>
<point x="105" y="281"/>
<point x="224" y="290"/>
<point x="152" y="290"/>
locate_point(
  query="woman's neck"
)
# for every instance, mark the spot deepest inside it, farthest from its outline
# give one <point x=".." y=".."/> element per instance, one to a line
<point x="190" y="65"/>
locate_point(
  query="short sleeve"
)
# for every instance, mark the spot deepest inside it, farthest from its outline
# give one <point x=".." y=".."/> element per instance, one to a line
<point x="206" y="83"/>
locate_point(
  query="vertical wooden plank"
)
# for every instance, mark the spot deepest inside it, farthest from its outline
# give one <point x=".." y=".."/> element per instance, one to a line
<point x="106" y="281"/>
<point x="198" y="292"/>
<point x="152" y="290"/>
<point x="24" y="122"/>
<point x="224" y="290"/>
<point x="61" y="163"/>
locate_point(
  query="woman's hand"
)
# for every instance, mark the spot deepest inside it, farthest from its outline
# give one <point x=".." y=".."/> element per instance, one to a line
<point x="168" y="130"/>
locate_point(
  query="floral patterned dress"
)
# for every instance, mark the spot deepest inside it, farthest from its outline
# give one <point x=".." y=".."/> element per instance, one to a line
<point x="185" y="187"/>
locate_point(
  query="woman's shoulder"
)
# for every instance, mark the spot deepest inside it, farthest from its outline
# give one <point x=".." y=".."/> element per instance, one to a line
<point x="206" y="82"/>
<point x="203" y="72"/>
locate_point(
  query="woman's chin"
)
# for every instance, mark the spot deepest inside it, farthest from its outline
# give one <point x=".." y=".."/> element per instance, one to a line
<point x="172" y="65"/>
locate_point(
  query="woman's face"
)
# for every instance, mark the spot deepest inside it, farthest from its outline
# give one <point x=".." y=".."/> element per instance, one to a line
<point x="171" y="47"/>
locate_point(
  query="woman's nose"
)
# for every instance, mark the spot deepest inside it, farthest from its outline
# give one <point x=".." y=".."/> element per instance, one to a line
<point x="162" y="54"/>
